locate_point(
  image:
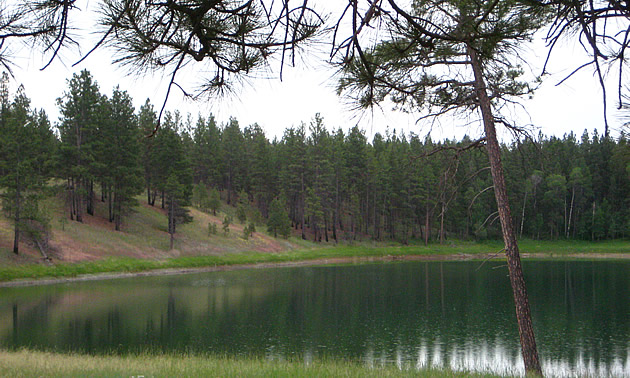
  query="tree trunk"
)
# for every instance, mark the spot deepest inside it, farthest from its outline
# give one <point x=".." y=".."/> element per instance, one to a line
<point x="117" y="210"/>
<point x="78" y="207"/>
<point x="16" y="235"/>
<point x="523" y="215"/>
<point x="593" y="223"/>
<point x="426" y="224"/>
<point x="90" y="197"/>
<point x="442" y="223"/>
<point x="302" y="199"/>
<point x="523" y="315"/>
<point x="570" y="212"/>
<point x="171" y="221"/>
<point x="110" y="207"/>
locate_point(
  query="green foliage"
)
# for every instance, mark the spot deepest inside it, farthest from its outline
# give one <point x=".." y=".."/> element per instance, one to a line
<point x="117" y="144"/>
<point x="212" y="229"/>
<point x="241" y="213"/>
<point x="248" y="230"/>
<point x="278" y="222"/>
<point x="25" y="160"/>
<point x="242" y="207"/>
<point x="82" y="110"/>
<point x="227" y="221"/>
<point x="214" y="201"/>
<point x="200" y="196"/>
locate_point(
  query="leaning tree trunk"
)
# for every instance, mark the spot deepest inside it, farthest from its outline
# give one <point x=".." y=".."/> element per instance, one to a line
<point x="523" y="315"/>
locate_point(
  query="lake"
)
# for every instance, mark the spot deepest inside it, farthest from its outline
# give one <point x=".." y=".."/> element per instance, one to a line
<point x="458" y="315"/>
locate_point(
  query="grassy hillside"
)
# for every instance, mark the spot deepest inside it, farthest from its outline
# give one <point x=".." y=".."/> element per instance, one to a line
<point x="143" y="235"/>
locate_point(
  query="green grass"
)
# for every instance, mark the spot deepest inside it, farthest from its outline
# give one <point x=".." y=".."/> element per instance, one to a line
<point x="366" y="250"/>
<point x="27" y="363"/>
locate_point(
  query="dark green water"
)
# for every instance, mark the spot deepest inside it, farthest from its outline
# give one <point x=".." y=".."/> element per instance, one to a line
<point x="453" y="314"/>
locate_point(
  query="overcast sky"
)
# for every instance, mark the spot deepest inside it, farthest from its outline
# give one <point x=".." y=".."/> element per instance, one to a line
<point x="574" y="106"/>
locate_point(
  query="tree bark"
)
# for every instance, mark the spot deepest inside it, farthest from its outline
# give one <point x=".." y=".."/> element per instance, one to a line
<point x="427" y="224"/>
<point x="302" y="204"/>
<point x="570" y="212"/>
<point x="78" y="207"/>
<point x="523" y="215"/>
<point x="90" y="197"/>
<point x="16" y="236"/>
<point x="523" y="315"/>
<point x="171" y="221"/>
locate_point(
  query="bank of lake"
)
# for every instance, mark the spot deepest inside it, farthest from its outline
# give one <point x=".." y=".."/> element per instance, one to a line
<point x="113" y="267"/>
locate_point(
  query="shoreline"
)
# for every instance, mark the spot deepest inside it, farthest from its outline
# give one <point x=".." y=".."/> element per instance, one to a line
<point x="310" y="262"/>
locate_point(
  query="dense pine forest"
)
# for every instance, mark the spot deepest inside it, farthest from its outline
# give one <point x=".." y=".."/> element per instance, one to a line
<point x="321" y="185"/>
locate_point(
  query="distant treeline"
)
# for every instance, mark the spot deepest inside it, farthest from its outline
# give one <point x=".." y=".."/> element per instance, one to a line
<point x="402" y="187"/>
<point x="331" y="185"/>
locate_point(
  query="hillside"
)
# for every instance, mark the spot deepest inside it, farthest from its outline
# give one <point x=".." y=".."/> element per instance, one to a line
<point x="143" y="235"/>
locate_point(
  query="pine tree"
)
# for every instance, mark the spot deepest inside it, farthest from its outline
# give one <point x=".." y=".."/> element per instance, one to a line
<point x="278" y="222"/>
<point x="123" y="169"/>
<point x="442" y="57"/>
<point x="26" y="151"/>
<point x="79" y="107"/>
<point x="232" y="154"/>
<point x="214" y="201"/>
<point x="147" y="123"/>
<point x="174" y="195"/>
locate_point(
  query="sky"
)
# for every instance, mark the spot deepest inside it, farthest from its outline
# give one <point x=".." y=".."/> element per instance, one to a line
<point x="308" y="89"/>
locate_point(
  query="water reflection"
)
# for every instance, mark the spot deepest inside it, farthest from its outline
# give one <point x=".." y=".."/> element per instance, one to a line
<point x="414" y="315"/>
<point x="496" y="359"/>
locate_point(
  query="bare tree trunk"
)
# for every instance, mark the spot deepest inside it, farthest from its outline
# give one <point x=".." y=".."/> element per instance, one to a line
<point x="117" y="210"/>
<point x="523" y="215"/>
<point x="565" y="215"/>
<point x="523" y="315"/>
<point x="442" y="223"/>
<point x="426" y="225"/>
<point x="16" y="234"/>
<point x="570" y="212"/>
<point x="90" y="197"/>
<point x="302" y="199"/>
<point x="78" y="200"/>
<point x="593" y="223"/>
<point x="171" y="221"/>
<point x="109" y="204"/>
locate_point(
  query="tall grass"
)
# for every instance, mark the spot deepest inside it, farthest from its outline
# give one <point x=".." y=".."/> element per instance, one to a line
<point x="27" y="363"/>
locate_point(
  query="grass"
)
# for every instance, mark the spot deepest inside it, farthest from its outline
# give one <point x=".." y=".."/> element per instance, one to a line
<point x="26" y="363"/>
<point x="558" y="249"/>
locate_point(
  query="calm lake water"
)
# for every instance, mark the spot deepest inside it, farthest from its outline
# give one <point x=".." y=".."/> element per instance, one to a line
<point x="446" y="314"/>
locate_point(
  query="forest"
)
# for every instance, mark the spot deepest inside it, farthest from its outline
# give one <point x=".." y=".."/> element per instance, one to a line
<point x="325" y="185"/>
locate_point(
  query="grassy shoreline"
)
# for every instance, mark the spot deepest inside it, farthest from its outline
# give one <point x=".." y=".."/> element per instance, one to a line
<point x="34" y="273"/>
<point x="29" y="363"/>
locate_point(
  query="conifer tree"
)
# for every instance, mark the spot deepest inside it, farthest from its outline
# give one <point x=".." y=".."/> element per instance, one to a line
<point x="80" y="106"/>
<point x="26" y="150"/>
<point x="278" y="222"/>
<point x="121" y="134"/>
<point x="443" y="57"/>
